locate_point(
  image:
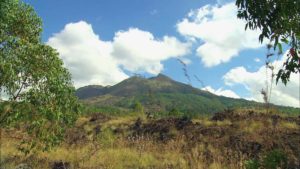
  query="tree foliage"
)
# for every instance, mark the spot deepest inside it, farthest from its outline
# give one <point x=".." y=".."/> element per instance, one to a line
<point x="279" y="21"/>
<point x="138" y="107"/>
<point x="38" y="89"/>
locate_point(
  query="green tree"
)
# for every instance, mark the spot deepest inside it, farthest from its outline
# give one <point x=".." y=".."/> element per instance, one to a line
<point x="39" y="91"/>
<point x="138" y="107"/>
<point x="174" y="112"/>
<point x="278" y="21"/>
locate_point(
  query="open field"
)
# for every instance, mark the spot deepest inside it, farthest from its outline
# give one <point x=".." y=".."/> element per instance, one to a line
<point x="229" y="139"/>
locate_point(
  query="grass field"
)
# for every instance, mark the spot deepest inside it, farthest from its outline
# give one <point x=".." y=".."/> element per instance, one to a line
<point x="232" y="139"/>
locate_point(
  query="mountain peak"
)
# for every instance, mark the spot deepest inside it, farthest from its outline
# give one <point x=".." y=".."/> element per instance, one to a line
<point x="134" y="79"/>
<point x="161" y="77"/>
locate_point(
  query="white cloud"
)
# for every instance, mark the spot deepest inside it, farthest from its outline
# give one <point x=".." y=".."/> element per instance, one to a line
<point x="139" y="51"/>
<point x="254" y="82"/>
<point x="257" y="60"/>
<point x="86" y="56"/>
<point x="222" y="34"/>
<point x="93" y="61"/>
<point x="250" y="99"/>
<point x="221" y="92"/>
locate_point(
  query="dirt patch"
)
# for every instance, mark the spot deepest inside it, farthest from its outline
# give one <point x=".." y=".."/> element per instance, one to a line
<point x="239" y="143"/>
<point x="98" y="117"/>
<point x="97" y="129"/>
<point x="221" y="116"/>
<point x="61" y="165"/>
<point x="214" y="131"/>
<point x="75" y="136"/>
<point x="160" y="129"/>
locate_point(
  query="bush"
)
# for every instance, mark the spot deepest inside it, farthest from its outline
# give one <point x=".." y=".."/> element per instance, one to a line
<point x="175" y="113"/>
<point x="275" y="159"/>
<point x="272" y="160"/>
<point x="252" y="164"/>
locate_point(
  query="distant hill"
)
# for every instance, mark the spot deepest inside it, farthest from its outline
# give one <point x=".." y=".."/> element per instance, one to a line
<point x="90" y="91"/>
<point x="162" y="94"/>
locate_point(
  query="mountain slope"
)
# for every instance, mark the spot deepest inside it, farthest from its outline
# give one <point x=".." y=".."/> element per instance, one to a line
<point x="138" y="85"/>
<point x="161" y="94"/>
<point x="90" y="91"/>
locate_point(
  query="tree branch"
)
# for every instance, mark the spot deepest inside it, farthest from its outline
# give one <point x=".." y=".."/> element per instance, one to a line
<point x="18" y="93"/>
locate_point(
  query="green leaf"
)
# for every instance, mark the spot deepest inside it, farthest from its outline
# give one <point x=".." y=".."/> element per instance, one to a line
<point x="279" y="48"/>
<point x="284" y="40"/>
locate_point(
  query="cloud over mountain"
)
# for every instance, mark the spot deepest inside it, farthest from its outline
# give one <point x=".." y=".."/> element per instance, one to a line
<point x="221" y="92"/>
<point x="94" y="61"/>
<point x="140" y="51"/>
<point x="87" y="57"/>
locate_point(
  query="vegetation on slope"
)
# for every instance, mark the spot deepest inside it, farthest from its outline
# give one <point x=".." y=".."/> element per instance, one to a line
<point x="160" y="95"/>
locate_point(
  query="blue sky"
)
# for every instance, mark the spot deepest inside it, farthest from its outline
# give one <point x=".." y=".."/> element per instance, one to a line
<point x="106" y="41"/>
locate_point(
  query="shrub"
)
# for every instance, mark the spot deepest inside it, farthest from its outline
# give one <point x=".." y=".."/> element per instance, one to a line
<point x="272" y="160"/>
<point x="252" y="164"/>
<point x="275" y="159"/>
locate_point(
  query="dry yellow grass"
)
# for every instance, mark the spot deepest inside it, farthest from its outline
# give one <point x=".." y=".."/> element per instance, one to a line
<point x="289" y="125"/>
<point x="207" y="122"/>
<point x="109" y="150"/>
<point x="252" y="126"/>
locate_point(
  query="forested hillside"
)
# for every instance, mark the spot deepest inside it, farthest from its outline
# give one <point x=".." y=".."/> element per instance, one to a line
<point x="161" y="95"/>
